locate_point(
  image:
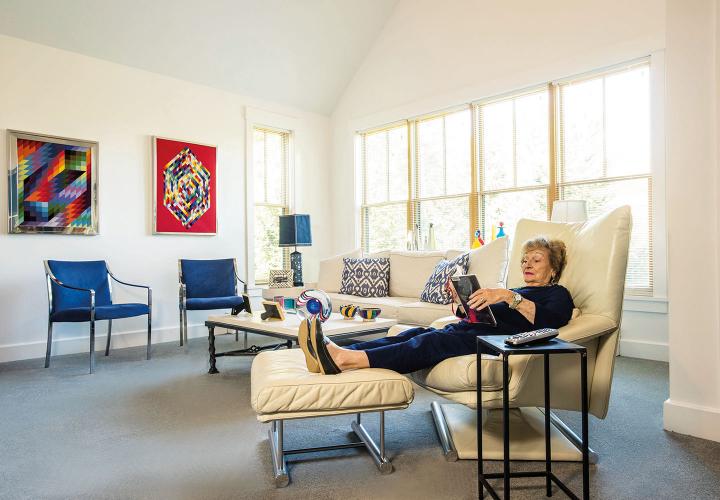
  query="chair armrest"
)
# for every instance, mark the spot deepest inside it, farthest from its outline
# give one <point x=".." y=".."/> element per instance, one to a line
<point x="64" y="285"/>
<point x="126" y="283"/>
<point x="237" y="277"/>
<point x="146" y="287"/>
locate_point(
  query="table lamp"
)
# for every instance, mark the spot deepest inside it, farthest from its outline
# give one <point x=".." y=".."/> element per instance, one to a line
<point x="569" y="211"/>
<point x="295" y="232"/>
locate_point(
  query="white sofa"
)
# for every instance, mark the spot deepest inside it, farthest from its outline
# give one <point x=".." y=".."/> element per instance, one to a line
<point x="409" y="271"/>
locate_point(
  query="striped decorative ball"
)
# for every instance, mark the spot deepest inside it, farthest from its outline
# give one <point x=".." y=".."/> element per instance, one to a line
<point x="314" y="303"/>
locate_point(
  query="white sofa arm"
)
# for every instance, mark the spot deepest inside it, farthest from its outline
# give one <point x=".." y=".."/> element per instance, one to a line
<point x="291" y="292"/>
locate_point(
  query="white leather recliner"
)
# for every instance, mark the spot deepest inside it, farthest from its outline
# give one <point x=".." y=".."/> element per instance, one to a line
<point x="597" y="254"/>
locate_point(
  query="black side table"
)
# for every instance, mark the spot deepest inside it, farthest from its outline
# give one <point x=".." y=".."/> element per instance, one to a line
<point x="496" y="343"/>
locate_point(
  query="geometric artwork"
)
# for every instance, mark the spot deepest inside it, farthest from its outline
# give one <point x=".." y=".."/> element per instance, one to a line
<point x="184" y="192"/>
<point x="52" y="185"/>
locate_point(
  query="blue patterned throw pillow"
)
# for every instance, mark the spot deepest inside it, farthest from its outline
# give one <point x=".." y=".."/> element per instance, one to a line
<point x="365" y="277"/>
<point x="434" y="291"/>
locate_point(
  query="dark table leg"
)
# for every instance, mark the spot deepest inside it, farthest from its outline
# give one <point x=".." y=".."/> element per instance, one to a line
<point x="548" y="455"/>
<point x="506" y="429"/>
<point x="211" y="349"/>
<point x="478" y="406"/>
<point x="583" y="389"/>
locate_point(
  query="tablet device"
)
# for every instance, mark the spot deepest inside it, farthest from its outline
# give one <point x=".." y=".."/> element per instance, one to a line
<point x="464" y="286"/>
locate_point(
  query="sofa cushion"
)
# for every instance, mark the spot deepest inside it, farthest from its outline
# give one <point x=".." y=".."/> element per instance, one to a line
<point x="390" y="306"/>
<point x="409" y="271"/>
<point x="489" y="263"/>
<point x="460" y="374"/>
<point x="281" y="384"/>
<point x="422" y="313"/>
<point x="382" y="254"/>
<point x="331" y="269"/>
<point x="435" y="291"/>
<point x="365" y="277"/>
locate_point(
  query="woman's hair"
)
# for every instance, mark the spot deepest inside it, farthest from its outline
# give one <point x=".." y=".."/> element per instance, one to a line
<point x="556" y="253"/>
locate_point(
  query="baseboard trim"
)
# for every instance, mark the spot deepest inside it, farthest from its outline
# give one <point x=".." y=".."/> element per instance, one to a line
<point x="73" y="345"/>
<point x="693" y="420"/>
<point x="644" y="349"/>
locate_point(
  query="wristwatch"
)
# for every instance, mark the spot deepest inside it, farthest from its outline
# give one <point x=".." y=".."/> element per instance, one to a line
<point x="517" y="298"/>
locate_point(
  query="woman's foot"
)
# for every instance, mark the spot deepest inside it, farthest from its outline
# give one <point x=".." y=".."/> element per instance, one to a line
<point x="317" y="341"/>
<point x="347" y="359"/>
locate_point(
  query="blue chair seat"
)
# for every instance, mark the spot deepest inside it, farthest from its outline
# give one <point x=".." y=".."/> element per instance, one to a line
<point x="204" y="303"/>
<point x="112" y="311"/>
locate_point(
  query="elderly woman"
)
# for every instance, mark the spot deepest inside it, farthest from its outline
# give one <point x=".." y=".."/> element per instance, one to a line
<point x="541" y="303"/>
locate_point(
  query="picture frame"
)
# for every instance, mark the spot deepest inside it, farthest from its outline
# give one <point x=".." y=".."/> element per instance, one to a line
<point x="52" y="184"/>
<point x="184" y="187"/>
<point x="280" y="278"/>
<point x="273" y="311"/>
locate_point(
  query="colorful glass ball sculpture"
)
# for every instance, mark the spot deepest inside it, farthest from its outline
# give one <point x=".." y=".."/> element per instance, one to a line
<point x="311" y="303"/>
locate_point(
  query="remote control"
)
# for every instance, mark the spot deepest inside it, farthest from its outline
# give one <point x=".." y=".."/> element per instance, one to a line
<point x="533" y="337"/>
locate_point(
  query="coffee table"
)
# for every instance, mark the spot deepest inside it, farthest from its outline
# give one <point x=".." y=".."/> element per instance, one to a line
<point x="336" y="327"/>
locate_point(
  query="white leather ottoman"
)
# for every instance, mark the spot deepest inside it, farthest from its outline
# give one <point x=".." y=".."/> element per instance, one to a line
<point x="282" y="388"/>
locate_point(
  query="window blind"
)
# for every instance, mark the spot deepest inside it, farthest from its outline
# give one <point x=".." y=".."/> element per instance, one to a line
<point x="513" y="154"/>
<point x="385" y="188"/>
<point x="604" y="155"/>
<point x="271" y="192"/>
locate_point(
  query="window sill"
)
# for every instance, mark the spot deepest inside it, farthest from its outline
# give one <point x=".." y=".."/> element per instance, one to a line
<point x="657" y="305"/>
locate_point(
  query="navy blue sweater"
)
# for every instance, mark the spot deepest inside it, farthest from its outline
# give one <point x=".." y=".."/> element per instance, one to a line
<point x="553" y="309"/>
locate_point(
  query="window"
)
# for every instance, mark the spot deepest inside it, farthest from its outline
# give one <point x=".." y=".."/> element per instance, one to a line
<point x="384" y="169"/>
<point x="604" y="155"/>
<point x="271" y="182"/>
<point x="443" y="180"/>
<point x="513" y="144"/>
<point x="502" y="159"/>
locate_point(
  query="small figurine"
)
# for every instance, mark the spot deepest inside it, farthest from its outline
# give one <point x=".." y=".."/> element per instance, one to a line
<point x="477" y="241"/>
<point x="501" y="231"/>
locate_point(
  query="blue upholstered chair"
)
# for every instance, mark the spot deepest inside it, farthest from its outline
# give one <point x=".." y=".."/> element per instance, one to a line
<point x="80" y="291"/>
<point x="206" y="285"/>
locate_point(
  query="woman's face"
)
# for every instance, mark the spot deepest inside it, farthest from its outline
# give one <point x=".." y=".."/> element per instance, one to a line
<point x="536" y="267"/>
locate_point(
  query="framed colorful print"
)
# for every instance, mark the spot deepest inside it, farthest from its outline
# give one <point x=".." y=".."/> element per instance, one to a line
<point x="52" y="184"/>
<point x="184" y="194"/>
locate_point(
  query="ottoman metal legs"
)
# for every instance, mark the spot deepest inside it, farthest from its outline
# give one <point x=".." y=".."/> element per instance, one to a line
<point x="278" y="453"/>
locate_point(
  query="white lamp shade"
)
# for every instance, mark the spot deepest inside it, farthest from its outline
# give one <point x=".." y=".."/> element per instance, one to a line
<point x="569" y="211"/>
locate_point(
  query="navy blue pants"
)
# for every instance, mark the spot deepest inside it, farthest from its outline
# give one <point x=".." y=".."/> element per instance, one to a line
<point x="420" y="348"/>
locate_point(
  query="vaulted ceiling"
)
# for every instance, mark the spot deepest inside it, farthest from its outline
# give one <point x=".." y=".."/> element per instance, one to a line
<point x="297" y="52"/>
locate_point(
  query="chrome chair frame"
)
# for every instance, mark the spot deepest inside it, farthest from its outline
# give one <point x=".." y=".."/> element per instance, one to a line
<point x="182" y="299"/>
<point x="50" y="278"/>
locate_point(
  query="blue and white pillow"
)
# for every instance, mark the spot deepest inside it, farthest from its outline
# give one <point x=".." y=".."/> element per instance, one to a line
<point x="366" y="277"/>
<point x="434" y="291"/>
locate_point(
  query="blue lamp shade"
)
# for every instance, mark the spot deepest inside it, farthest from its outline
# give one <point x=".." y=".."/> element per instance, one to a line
<point x="295" y="230"/>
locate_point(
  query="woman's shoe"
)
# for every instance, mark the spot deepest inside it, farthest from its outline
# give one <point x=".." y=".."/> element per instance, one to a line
<point x="317" y="340"/>
<point x="306" y="345"/>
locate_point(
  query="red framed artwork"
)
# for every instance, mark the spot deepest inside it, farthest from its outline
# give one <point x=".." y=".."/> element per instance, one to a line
<point x="184" y="193"/>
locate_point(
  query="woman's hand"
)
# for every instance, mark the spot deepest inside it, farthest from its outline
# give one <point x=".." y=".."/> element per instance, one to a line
<point x="482" y="298"/>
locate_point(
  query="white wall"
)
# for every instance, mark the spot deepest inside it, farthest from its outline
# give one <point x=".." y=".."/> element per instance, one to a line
<point x="433" y="55"/>
<point x="693" y="275"/>
<point x="60" y="93"/>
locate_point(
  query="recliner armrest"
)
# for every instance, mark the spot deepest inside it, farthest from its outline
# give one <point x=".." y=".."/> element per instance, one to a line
<point x="587" y="327"/>
<point x="442" y="322"/>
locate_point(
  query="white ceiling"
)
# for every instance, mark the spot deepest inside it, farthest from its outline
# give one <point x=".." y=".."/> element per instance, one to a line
<point x="297" y="52"/>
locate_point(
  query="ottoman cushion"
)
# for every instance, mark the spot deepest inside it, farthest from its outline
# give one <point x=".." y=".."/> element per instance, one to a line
<point x="282" y="388"/>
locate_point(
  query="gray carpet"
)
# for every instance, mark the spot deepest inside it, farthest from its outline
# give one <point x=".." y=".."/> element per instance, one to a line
<point x="165" y="429"/>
